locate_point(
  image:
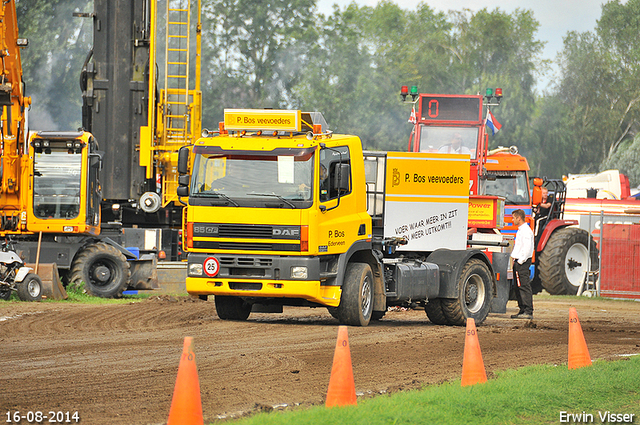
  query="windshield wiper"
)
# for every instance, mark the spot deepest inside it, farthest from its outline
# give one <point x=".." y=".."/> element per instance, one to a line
<point x="275" y="195"/>
<point x="217" y="195"/>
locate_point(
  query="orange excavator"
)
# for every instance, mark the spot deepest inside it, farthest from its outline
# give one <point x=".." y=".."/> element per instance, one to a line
<point x="50" y="196"/>
<point x="65" y="200"/>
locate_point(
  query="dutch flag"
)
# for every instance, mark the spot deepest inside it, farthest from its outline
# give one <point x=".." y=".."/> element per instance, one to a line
<point x="412" y="117"/>
<point x="492" y="123"/>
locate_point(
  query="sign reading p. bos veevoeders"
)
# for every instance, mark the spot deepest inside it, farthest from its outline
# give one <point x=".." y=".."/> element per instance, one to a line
<point x="262" y="119"/>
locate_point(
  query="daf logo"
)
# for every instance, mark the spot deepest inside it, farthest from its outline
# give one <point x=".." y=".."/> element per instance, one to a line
<point x="286" y="232"/>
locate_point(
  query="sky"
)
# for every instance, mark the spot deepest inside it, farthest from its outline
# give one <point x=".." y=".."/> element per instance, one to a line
<point x="556" y="17"/>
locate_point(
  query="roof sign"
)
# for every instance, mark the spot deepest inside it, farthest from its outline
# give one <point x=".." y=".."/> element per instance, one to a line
<point x="262" y="119"/>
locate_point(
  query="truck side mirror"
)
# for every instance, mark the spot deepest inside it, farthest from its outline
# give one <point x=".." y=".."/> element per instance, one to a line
<point x="341" y="180"/>
<point x="182" y="190"/>
<point x="183" y="160"/>
<point x="184" y="180"/>
<point x="183" y="185"/>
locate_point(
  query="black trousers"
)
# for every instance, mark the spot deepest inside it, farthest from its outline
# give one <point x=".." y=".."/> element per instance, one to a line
<point x="524" y="294"/>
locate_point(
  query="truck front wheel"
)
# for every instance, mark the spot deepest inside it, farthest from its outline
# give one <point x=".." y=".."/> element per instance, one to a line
<point x="103" y="269"/>
<point x="474" y="295"/>
<point x="356" y="302"/>
<point x="232" y="308"/>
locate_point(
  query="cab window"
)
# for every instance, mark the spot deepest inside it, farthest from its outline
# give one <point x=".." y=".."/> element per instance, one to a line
<point x="330" y="160"/>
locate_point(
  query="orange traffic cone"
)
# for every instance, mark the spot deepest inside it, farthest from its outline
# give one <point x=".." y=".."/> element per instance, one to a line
<point x="578" y="352"/>
<point x="472" y="365"/>
<point x="342" y="390"/>
<point x="186" y="405"/>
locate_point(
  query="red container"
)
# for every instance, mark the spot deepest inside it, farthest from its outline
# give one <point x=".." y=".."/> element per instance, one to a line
<point x="620" y="250"/>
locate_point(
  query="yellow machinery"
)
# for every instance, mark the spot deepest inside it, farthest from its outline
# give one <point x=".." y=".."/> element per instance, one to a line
<point x="14" y="104"/>
<point x="142" y="102"/>
<point x="175" y="118"/>
<point x="68" y="197"/>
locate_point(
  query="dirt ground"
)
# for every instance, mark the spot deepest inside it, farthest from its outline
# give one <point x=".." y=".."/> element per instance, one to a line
<point x="118" y="364"/>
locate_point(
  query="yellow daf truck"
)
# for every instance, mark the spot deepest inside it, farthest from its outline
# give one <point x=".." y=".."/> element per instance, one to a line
<point x="280" y="211"/>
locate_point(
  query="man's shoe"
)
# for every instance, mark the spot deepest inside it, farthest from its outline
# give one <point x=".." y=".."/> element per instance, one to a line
<point x="515" y="316"/>
<point x="522" y="316"/>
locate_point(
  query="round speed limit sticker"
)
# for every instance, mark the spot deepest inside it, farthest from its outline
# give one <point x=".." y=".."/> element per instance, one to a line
<point x="211" y="266"/>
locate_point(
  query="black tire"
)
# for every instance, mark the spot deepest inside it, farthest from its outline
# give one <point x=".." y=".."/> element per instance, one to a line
<point x="474" y="289"/>
<point x="333" y="311"/>
<point x="560" y="264"/>
<point x="377" y="315"/>
<point x="5" y="293"/>
<point x="232" y="308"/>
<point x="30" y="289"/>
<point x="434" y="311"/>
<point x="103" y="269"/>
<point x="356" y="301"/>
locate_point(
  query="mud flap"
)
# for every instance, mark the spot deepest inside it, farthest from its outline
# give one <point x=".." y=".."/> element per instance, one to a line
<point x="144" y="273"/>
<point x="500" y="265"/>
<point x="51" y="285"/>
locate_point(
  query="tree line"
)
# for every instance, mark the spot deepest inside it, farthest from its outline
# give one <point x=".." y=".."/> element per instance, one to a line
<point x="350" y="66"/>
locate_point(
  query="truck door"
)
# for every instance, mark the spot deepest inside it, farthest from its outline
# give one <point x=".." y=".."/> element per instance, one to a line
<point x="339" y="224"/>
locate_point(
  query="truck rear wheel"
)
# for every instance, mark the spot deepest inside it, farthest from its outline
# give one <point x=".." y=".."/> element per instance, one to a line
<point x="474" y="295"/>
<point x="356" y="302"/>
<point x="433" y="308"/>
<point x="103" y="269"/>
<point x="232" y="308"/>
<point x="563" y="262"/>
<point x="30" y="289"/>
<point x="378" y="315"/>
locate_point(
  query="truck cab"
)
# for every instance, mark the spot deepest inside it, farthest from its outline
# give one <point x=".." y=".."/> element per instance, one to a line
<point x="287" y="215"/>
<point x="66" y="193"/>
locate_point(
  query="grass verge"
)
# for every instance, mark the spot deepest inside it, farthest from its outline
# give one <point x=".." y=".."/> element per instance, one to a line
<point x="530" y="395"/>
<point x="77" y="294"/>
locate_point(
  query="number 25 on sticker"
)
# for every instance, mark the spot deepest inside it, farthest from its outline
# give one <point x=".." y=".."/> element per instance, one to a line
<point x="211" y="266"/>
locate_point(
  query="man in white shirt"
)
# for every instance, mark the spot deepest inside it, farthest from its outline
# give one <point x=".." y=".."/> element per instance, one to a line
<point x="455" y="146"/>
<point x="521" y="254"/>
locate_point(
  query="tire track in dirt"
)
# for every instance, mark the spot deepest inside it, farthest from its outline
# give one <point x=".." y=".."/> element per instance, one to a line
<point x="117" y="364"/>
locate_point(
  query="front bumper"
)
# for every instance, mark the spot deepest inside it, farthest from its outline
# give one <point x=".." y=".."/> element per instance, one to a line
<point x="311" y="291"/>
<point x="262" y="276"/>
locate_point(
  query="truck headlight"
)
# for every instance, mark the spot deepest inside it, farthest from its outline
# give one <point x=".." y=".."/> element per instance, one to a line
<point x="299" y="272"/>
<point x="195" y="269"/>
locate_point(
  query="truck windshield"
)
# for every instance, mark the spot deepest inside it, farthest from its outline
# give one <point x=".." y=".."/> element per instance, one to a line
<point x="512" y="185"/>
<point x="56" y="184"/>
<point x="449" y="140"/>
<point x="282" y="176"/>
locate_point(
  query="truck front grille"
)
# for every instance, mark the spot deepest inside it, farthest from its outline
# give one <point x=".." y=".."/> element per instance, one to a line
<point x="245" y="231"/>
<point x="244" y="237"/>
<point x="245" y="262"/>
<point x="248" y="246"/>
